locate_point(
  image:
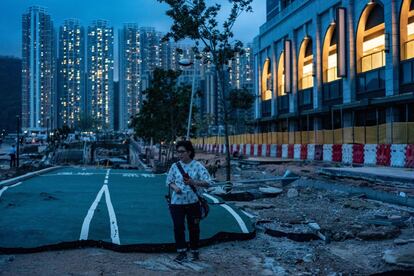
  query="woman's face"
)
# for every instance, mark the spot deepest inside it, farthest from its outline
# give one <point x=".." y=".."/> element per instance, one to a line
<point x="183" y="154"/>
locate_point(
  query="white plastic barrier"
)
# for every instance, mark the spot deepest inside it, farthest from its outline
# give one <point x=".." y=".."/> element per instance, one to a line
<point x="285" y="151"/>
<point x="273" y="150"/>
<point x="398" y="155"/>
<point x="264" y="149"/>
<point x="248" y="151"/>
<point x="311" y="151"/>
<point x="256" y="150"/>
<point x="370" y="154"/>
<point x="296" y="151"/>
<point x="327" y="152"/>
<point x="241" y="149"/>
<point x="347" y="154"/>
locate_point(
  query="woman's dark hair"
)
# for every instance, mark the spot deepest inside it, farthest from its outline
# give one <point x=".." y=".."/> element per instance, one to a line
<point x="188" y="147"/>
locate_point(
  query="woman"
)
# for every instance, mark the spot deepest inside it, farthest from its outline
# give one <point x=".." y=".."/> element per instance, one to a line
<point x="184" y="201"/>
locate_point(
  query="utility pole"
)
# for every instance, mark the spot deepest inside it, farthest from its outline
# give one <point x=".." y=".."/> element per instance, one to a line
<point x="18" y="141"/>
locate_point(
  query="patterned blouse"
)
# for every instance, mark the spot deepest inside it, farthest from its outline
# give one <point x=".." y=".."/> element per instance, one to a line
<point x="196" y="171"/>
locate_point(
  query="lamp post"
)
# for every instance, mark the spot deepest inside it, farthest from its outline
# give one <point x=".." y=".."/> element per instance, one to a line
<point x="186" y="63"/>
<point x="47" y="129"/>
<point x="18" y="141"/>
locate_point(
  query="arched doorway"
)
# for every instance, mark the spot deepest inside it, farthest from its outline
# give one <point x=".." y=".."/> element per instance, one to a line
<point x="266" y="80"/>
<point x="267" y="83"/>
<point x="281" y="76"/>
<point x="407" y="30"/>
<point x="370" y="52"/>
<point x="305" y="65"/>
<point x="329" y="56"/>
<point x="370" y="42"/>
<point x="282" y="97"/>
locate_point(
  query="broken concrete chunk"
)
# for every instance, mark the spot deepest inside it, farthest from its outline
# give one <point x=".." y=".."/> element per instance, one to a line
<point x="403" y="256"/>
<point x="270" y="190"/>
<point x="292" y="193"/>
<point x="314" y="226"/>
<point x="379" y="233"/>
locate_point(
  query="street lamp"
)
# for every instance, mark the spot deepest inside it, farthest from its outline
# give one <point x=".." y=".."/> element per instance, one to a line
<point x="187" y="63"/>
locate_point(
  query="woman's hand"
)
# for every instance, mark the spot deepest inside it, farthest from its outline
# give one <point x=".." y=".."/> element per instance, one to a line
<point x="176" y="188"/>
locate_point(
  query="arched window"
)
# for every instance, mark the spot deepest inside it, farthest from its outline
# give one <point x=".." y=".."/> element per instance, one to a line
<point x="329" y="59"/>
<point x="370" y="44"/>
<point x="305" y="64"/>
<point x="281" y="76"/>
<point x="407" y="30"/>
<point x="266" y="81"/>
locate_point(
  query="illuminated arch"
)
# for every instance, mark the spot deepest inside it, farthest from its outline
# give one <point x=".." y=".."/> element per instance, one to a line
<point x="407" y="30"/>
<point x="305" y="64"/>
<point x="370" y="38"/>
<point x="281" y="76"/>
<point x="266" y="81"/>
<point x="329" y="55"/>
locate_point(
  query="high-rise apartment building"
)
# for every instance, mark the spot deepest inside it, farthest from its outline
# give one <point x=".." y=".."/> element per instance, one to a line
<point x="150" y="53"/>
<point x="38" y="70"/>
<point x="71" y="73"/>
<point x="100" y="60"/>
<point x="130" y="96"/>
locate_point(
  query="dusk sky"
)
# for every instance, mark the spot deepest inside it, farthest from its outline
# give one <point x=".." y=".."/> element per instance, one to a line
<point x="144" y="12"/>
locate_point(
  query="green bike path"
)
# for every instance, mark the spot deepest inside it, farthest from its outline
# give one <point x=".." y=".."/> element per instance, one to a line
<point x="122" y="210"/>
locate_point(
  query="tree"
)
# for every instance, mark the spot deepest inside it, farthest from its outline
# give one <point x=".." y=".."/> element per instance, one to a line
<point x="195" y="20"/>
<point x="239" y="101"/>
<point x="163" y="115"/>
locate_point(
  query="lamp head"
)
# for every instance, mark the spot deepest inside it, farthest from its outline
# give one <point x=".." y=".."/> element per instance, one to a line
<point x="185" y="62"/>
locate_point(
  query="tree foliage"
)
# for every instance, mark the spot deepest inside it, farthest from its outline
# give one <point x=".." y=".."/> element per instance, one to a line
<point x="195" y="20"/>
<point x="163" y="115"/>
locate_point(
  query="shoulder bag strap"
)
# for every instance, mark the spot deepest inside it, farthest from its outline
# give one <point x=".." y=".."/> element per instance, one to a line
<point x="181" y="169"/>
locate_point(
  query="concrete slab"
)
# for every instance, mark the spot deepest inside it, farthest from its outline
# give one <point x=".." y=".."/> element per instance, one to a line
<point x="403" y="175"/>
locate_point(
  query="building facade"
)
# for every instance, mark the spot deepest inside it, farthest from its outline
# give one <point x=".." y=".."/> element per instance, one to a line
<point x="100" y="69"/>
<point x="38" y="70"/>
<point x="130" y="97"/>
<point x="71" y="73"/>
<point x="331" y="64"/>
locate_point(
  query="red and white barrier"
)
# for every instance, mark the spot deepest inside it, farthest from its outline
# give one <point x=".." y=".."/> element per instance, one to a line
<point x="396" y="155"/>
<point x="285" y="151"/>
<point x="327" y="152"/>
<point x="296" y="151"/>
<point x="347" y="154"/>
<point x="311" y="151"/>
<point x="273" y="150"/>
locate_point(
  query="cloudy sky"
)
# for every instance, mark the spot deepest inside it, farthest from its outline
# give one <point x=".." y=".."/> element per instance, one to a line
<point x="117" y="12"/>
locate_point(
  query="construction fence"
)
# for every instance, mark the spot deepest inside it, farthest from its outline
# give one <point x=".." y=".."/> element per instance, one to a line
<point x="392" y="133"/>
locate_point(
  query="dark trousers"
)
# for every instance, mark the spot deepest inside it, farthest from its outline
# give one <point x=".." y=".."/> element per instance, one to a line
<point x="12" y="160"/>
<point x="179" y="213"/>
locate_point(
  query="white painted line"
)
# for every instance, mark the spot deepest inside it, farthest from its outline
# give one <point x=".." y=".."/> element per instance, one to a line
<point x="87" y="221"/>
<point x="248" y="214"/>
<point x="237" y="217"/>
<point x="215" y="200"/>
<point x="11" y="186"/>
<point x="106" y="181"/>
<point x="3" y="189"/>
<point x="112" y="217"/>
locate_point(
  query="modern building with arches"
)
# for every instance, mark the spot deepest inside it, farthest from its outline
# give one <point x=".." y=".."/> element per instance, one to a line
<point x="332" y="64"/>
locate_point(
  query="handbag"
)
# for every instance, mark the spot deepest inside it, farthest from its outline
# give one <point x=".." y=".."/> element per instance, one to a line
<point x="202" y="202"/>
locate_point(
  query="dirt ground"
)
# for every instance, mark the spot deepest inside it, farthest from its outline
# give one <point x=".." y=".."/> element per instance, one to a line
<point x="357" y="234"/>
